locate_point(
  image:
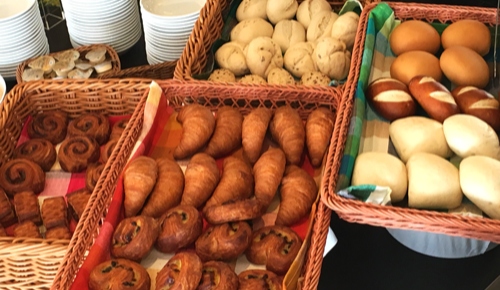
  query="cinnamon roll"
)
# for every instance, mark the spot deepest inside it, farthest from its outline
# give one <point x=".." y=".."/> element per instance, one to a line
<point x="182" y="272"/>
<point x="77" y="152"/>
<point x="92" y="125"/>
<point x="51" y="126"/>
<point x="119" y="274"/>
<point x="218" y="276"/>
<point x="259" y="280"/>
<point x="92" y="175"/>
<point x="134" y="237"/>
<point x="77" y="202"/>
<point x="21" y="174"/>
<point x="118" y="128"/>
<point x="107" y="150"/>
<point x="40" y="151"/>
<point x="180" y="227"/>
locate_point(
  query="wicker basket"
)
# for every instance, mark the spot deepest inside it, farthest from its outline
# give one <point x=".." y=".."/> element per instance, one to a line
<point x="400" y="217"/>
<point x="213" y="96"/>
<point x="111" y="55"/>
<point x="161" y="71"/>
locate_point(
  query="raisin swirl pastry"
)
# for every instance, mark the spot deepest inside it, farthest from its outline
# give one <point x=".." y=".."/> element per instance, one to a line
<point x="224" y="242"/>
<point x="51" y="126"/>
<point x="118" y="128"/>
<point x="259" y="280"/>
<point x="134" y="237"/>
<point x="107" y="150"/>
<point x="77" y="152"/>
<point x="20" y="175"/>
<point x="92" y="175"/>
<point x="93" y="125"/>
<point x="218" y="276"/>
<point x="180" y="227"/>
<point x="119" y="274"/>
<point x="182" y="272"/>
<point x="40" y="151"/>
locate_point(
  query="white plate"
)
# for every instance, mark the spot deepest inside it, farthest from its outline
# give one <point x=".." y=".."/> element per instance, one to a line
<point x="180" y="31"/>
<point x="118" y="31"/>
<point x="148" y="17"/>
<point x="100" y="16"/>
<point x="109" y="38"/>
<point x="23" y="53"/>
<point x="173" y="8"/>
<point x="93" y="7"/>
<point x="11" y="9"/>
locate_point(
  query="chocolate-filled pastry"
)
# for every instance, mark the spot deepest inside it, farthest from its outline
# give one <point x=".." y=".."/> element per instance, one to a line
<point x="274" y="246"/>
<point x="21" y="174"/>
<point x="218" y="276"/>
<point x="118" y="128"/>
<point x="119" y="274"/>
<point x="200" y="179"/>
<point x="224" y="242"/>
<point x="40" y="151"/>
<point x="139" y="179"/>
<point x="2" y="231"/>
<point x="27" y="229"/>
<point x="58" y="233"/>
<point x="107" y="150"/>
<point x="5" y="205"/>
<point x="77" y="152"/>
<point x="27" y="207"/>
<point x="182" y="272"/>
<point x="92" y="175"/>
<point x="92" y="125"/>
<point x="233" y="211"/>
<point x="77" y="201"/>
<point x="180" y="227"/>
<point x="51" y="125"/>
<point x="134" y="237"/>
<point x="54" y="212"/>
<point x="259" y="280"/>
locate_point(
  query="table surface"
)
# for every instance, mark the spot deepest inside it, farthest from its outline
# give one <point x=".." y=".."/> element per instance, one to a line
<point x="366" y="257"/>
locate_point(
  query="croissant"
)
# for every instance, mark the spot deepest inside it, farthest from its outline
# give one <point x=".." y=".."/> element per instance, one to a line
<point x="268" y="172"/>
<point x="198" y="124"/>
<point x="288" y="130"/>
<point x="139" y="180"/>
<point x="253" y="132"/>
<point x="227" y="134"/>
<point x="233" y="211"/>
<point x="319" y="130"/>
<point x="201" y="177"/>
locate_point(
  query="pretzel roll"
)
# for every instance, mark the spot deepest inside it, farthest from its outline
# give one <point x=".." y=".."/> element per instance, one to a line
<point x="40" y="151"/>
<point x="118" y="128"/>
<point x="218" y="276"/>
<point x="134" y="237"/>
<point x="224" y="242"/>
<point x="77" y="152"/>
<point x="180" y="227"/>
<point x="93" y="125"/>
<point x="479" y="103"/>
<point x="259" y="280"/>
<point x="119" y="274"/>
<point x="390" y="98"/>
<point x="21" y="174"/>
<point x="182" y="271"/>
<point x="92" y="175"/>
<point x="51" y="126"/>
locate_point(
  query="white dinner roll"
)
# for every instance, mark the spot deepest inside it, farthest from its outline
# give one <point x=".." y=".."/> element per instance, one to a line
<point x="332" y="58"/>
<point x="251" y="9"/>
<point x="278" y="10"/>
<point x="468" y="135"/>
<point x="308" y="8"/>
<point x="416" y="134"/>
<point x="480" y="182"/>
<point x="231" y="57"/>
<point x="344" y="28"/>
<point x="433" y="182"/>
<point x="321" y="25"/>
<point x="298" y="58"/>
<point x="262" y="55"/>
<point x="249" y="29"/>
<point x="382" y="169"/>
<point x="288" y="32"/>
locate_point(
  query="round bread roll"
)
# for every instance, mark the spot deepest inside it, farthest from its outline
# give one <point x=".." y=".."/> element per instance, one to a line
<point x="332" y="58"/>
<point x="433" y="182"/>
<point x="414" y="35"/>
<point x="315" y="78"/>
<point x="345" y="27"/>
<point x="298" y="58"/>
<point x="469" y="33"/>
<point x="262" y="55"/>
<point x="382" y="169"/>
<point x="280" y="76"/>
<point x="308" y="8"/>
<point x="415" y="63"/>
<point x="288" y="32"/>
<point x="252" y="79"/>
<point x="251" y="9"/>
<point x="416" y="134"/>
<point x="222" y="75"/>
<point x="249" y="29"/>
<point x="468" y="135"/>
<point x="464" y="67"/>
<point x="321" y="25"/>
<point x="278" y="10"/>
<point x="480" y="183"/>
<point x="231" y="57"/>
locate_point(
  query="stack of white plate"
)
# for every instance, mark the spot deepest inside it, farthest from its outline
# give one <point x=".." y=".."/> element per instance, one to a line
<point x="167" y="26"/>
<point x="113" y="22"/>
<point x="22" y="35"/>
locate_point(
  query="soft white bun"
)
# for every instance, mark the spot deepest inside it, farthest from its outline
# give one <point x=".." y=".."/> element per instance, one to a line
<point x="288" y="32"/>
<point x="248" y="29"/>
<point x="416" y="134"/>
<point x="251" y="9"/>
<point x="321" y="25"/>
<point x="262" y="55"/>
<point x="278" y="10"/>
<point x="308" y="8"/>
<point x="382" y="169"/>
<point x="345" y="27"/>
<point x="231" y="57"/>
<point x="468" y="135"/>
<point x="332" y="58"/>
<point x="433" y="182"/>
<point x="298" y="58"/>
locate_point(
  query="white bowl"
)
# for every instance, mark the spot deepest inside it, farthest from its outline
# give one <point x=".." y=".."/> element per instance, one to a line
<point x="173" y="8"/>
<point x="3" y="88"/>
<point x="10" y="9"/>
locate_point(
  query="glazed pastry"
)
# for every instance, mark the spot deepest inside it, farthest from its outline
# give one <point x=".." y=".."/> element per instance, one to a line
<point x="58" y="233"/>
<point x="107" y="149"/>
<point x="182" y="272"/>
<point x="218" y="276"/>
<point x="27" y="207"/>
<point x="119" y="274"/>
<point x="134" y="237"/>
<point x="77" y="152"/>
<point x="77" y="202"/>
<point x="227" y="133"/>
<point x="254" y="131"/>
<point x="259" y="280"/>
<point x="21" y="174"/>
<point x="54" y="212"/>
<point x="118" y="128"/>
<point x="234" y="211"/>
<point x="224" y="242"/>
<point x="201" y="177"/>
<point x="288" y="130"/>
<point x="92" y="125"/>
<point x="51" y="125"/>
<point x="5" y="205"/>
<point x="40" y="151"/>
<point x="180" y="227"/>
<point x="319" y="130"/>
<point x="268" y="172"/>
<point x="27" y="229"/>
<point x="92" y="175"/>
<point x="198" y="124"/>
<point x="139" y="180"/>
<point x="167" y="192"/>
<point x="298" y="193"/>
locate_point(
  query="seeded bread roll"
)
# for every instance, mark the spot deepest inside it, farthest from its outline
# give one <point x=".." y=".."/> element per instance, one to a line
<point x="231" y="57"/>
<point x="321" y="25"/>
<point x="249" y="29"/>
<point x="280" y="76"/>
<point x="308" y="8"/>
<point x="298" y="58"/>
<point x="315" y="78"/>
<point x="251" y="9"/>
<point x="332" y="58"/>
<point x="278" y="10"/>
<point x="222" y="75"/>
<point x="288" y="32"/>
<point x="252" y="79"/>
<point x="262" y="55"/>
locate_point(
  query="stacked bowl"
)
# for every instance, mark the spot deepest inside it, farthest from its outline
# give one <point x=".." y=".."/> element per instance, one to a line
<point x="113" y="22"/>
<point x="167" y="26"/>
<point x="22" y="35"/>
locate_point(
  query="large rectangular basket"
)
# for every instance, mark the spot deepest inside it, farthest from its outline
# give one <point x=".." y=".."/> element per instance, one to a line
<point x="392" y="216"/>
<point x="180" y="93"/>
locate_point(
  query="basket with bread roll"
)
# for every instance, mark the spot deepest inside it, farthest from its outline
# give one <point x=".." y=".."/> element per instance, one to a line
<point x="423" y="151"/>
